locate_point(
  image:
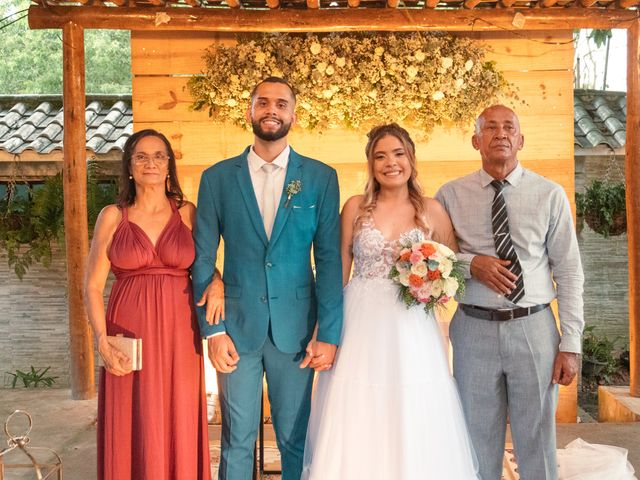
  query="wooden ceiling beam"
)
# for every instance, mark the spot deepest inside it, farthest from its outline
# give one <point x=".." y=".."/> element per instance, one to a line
<point x="330" y="20"/>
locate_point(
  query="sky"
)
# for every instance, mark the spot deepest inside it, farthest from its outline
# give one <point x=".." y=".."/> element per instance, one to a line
<point x="592" y="62"/>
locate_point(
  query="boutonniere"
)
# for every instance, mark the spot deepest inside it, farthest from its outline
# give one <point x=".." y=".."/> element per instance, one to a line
<point x="294" y="187"/>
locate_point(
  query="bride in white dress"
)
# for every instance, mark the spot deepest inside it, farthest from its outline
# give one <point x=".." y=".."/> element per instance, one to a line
<point x="389" y="409"/>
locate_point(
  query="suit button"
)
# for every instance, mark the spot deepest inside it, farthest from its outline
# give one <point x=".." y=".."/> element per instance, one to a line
<point x="268" y="264"/>
<point x="263" y="299"/>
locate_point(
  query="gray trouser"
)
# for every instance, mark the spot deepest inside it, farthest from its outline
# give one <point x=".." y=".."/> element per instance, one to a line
<point x="506" y="368"/>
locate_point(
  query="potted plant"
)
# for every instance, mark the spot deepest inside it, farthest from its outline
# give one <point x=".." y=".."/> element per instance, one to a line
<point x="603" y="206"/>
<point x="598" y="359"/>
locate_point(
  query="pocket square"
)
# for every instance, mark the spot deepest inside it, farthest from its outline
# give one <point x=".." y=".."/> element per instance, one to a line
<point x="300" y="207"/>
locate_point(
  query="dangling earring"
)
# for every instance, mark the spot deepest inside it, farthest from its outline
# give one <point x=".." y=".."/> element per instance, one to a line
<point x="130" y="177"/>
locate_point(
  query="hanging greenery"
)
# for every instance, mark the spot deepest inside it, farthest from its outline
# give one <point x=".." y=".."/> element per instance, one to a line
<point x="354" y="80"/>
<point x="603" y="206"/>
<point x="29" y="225"/>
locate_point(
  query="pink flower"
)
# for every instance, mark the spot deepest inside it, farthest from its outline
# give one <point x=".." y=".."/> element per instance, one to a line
<point x="416" y="257"/>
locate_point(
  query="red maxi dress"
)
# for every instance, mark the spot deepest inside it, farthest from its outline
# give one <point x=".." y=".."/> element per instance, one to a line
<point x="152" y="424"/>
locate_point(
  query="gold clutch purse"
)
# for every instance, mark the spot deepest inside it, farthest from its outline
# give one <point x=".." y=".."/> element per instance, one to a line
<point x="131" y="347"/>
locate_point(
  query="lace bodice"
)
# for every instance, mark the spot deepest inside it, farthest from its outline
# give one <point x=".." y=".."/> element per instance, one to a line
<point x="374" y="255"/>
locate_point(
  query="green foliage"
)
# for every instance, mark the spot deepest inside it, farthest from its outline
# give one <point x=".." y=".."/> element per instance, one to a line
<point x="598" y="359"/>
<point x="32" y="59"/>
<point x="29" y="226"/>
<point x="35" y="378"/>
<point x="602" y="200"/>
<point x="599" y="37"/>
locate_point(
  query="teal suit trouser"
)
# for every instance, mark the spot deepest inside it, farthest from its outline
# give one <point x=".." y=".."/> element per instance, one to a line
<point x="240" y="394"/>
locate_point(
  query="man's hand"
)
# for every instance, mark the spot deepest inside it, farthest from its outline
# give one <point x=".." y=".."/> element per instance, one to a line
<point x="319" y="356"/>
<point x="565" y="368"/>
<point x="213" y="297"/>
<point x="222" y="353"/>
<point x="493" y="272"/>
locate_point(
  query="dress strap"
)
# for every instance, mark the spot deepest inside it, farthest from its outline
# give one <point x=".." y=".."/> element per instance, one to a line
<point x="125" y="213"/>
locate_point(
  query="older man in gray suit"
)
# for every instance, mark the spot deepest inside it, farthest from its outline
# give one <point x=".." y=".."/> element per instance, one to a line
<point x="515" y="230"/>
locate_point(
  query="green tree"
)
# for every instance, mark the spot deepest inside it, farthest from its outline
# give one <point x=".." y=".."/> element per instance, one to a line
<point x="32" y="59"/>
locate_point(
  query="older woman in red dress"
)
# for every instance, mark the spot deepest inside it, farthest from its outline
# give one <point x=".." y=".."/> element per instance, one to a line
<point x="152" y="423"/>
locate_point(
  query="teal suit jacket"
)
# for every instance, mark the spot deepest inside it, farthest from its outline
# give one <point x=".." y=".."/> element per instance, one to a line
<point x="271" y="281"/>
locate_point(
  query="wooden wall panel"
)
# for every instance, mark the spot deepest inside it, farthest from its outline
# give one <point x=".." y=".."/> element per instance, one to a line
<point x="158" y="53"/>
<point x="166" y="98"/>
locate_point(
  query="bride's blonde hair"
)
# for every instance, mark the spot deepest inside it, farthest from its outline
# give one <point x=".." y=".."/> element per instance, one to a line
<point x="372" y="187"/>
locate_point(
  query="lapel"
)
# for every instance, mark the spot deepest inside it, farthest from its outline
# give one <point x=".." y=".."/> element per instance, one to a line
<point x="249" y="195"/>
<point x="294" y="172"/>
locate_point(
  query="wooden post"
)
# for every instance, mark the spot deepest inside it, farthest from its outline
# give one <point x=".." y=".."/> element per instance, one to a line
<point x="632" y="174"/>
<point x="75" y="209"/>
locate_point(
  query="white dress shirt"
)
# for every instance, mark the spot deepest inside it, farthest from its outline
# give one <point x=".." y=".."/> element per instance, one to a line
<point x="258" y="175"/>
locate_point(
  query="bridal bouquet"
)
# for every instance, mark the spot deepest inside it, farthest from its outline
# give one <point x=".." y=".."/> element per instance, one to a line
<point x="427" y="272"/>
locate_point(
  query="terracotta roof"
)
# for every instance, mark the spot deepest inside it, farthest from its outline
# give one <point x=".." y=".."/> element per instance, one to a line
<point x="35" y="122"/>
<point x="600" y="118"/>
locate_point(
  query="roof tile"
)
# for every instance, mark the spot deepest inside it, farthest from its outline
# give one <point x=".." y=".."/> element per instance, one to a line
<point x="35" y="122"/>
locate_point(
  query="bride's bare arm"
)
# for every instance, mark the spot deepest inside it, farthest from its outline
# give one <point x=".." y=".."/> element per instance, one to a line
<point x="347" y="217"/>
<point x="441" y="224"/>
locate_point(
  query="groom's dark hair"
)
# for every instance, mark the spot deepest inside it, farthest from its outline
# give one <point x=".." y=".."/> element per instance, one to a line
<point x="273" y="80"/>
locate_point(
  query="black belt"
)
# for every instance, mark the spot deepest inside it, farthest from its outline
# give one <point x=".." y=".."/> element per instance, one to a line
<point x="500" y="315"/>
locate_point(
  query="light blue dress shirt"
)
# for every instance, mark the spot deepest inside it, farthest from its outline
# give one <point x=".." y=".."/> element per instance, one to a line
<point x="543" y="236"/>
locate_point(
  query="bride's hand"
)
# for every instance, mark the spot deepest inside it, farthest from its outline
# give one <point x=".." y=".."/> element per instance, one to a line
<point x="321" y="356"/>
<point x="307" y="358"/>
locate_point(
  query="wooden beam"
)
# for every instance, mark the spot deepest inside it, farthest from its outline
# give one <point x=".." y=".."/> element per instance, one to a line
<point x="628" y="3"/>
<point x="471" y="3"/>
<point x="74" y="181"/>
<point x="338" y="20"/>
<point x="632" y="174"/>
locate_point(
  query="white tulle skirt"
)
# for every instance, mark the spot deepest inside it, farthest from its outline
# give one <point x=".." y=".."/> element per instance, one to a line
<point x="389" y="409"/>
<point x="591" y="461"/>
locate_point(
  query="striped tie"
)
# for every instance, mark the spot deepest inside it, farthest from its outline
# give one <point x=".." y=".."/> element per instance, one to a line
<point x="502" y="239"/>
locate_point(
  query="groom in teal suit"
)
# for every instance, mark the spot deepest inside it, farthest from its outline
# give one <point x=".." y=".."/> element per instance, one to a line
<point x="271" y="206"/>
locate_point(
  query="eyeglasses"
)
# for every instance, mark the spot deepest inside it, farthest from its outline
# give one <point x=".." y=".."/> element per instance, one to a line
<point x="159" y="159"/>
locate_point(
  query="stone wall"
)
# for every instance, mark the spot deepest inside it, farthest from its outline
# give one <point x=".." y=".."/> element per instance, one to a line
<point x="605" y="260"/>
<point x="34" y="327"/>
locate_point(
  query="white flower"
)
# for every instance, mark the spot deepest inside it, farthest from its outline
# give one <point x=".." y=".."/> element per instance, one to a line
<point x="420" y="56"/>
<point x="373" y="94"/>
<point x="412" y="71"/>
<point x="330" y="70"/>
<point x="446" y="62"/>
<point x="341" y="62"/>
<point x="315" y="48"/>
<point x="403" y="278"/>
<point x="445" y="267"/>
<point x="459" y="83"/>
<point x="437" y="95"/>
<point x="444" y="250"/>
<point x="450" y="287"/>
<point x="419" y="269"/>
<point x="379" y="51"/>
<point x="305" y="105"/>
<point x="321" y="67"/>
<point x="232" y="102"/>
<point x="246" y="94"/>
<point x="327" y="93"/>
<point x="468" y="65"/>
<point x="437" y="287"/>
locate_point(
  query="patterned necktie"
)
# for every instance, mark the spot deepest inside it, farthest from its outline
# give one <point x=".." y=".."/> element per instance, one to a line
<point x="268" y="194"/>
<point x="502" y="239"/>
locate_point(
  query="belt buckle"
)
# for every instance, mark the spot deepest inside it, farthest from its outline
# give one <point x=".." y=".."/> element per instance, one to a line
<point x="508" y="311"/>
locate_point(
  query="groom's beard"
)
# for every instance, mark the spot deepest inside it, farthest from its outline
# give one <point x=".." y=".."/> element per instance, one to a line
<point x="270" y="136"/>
